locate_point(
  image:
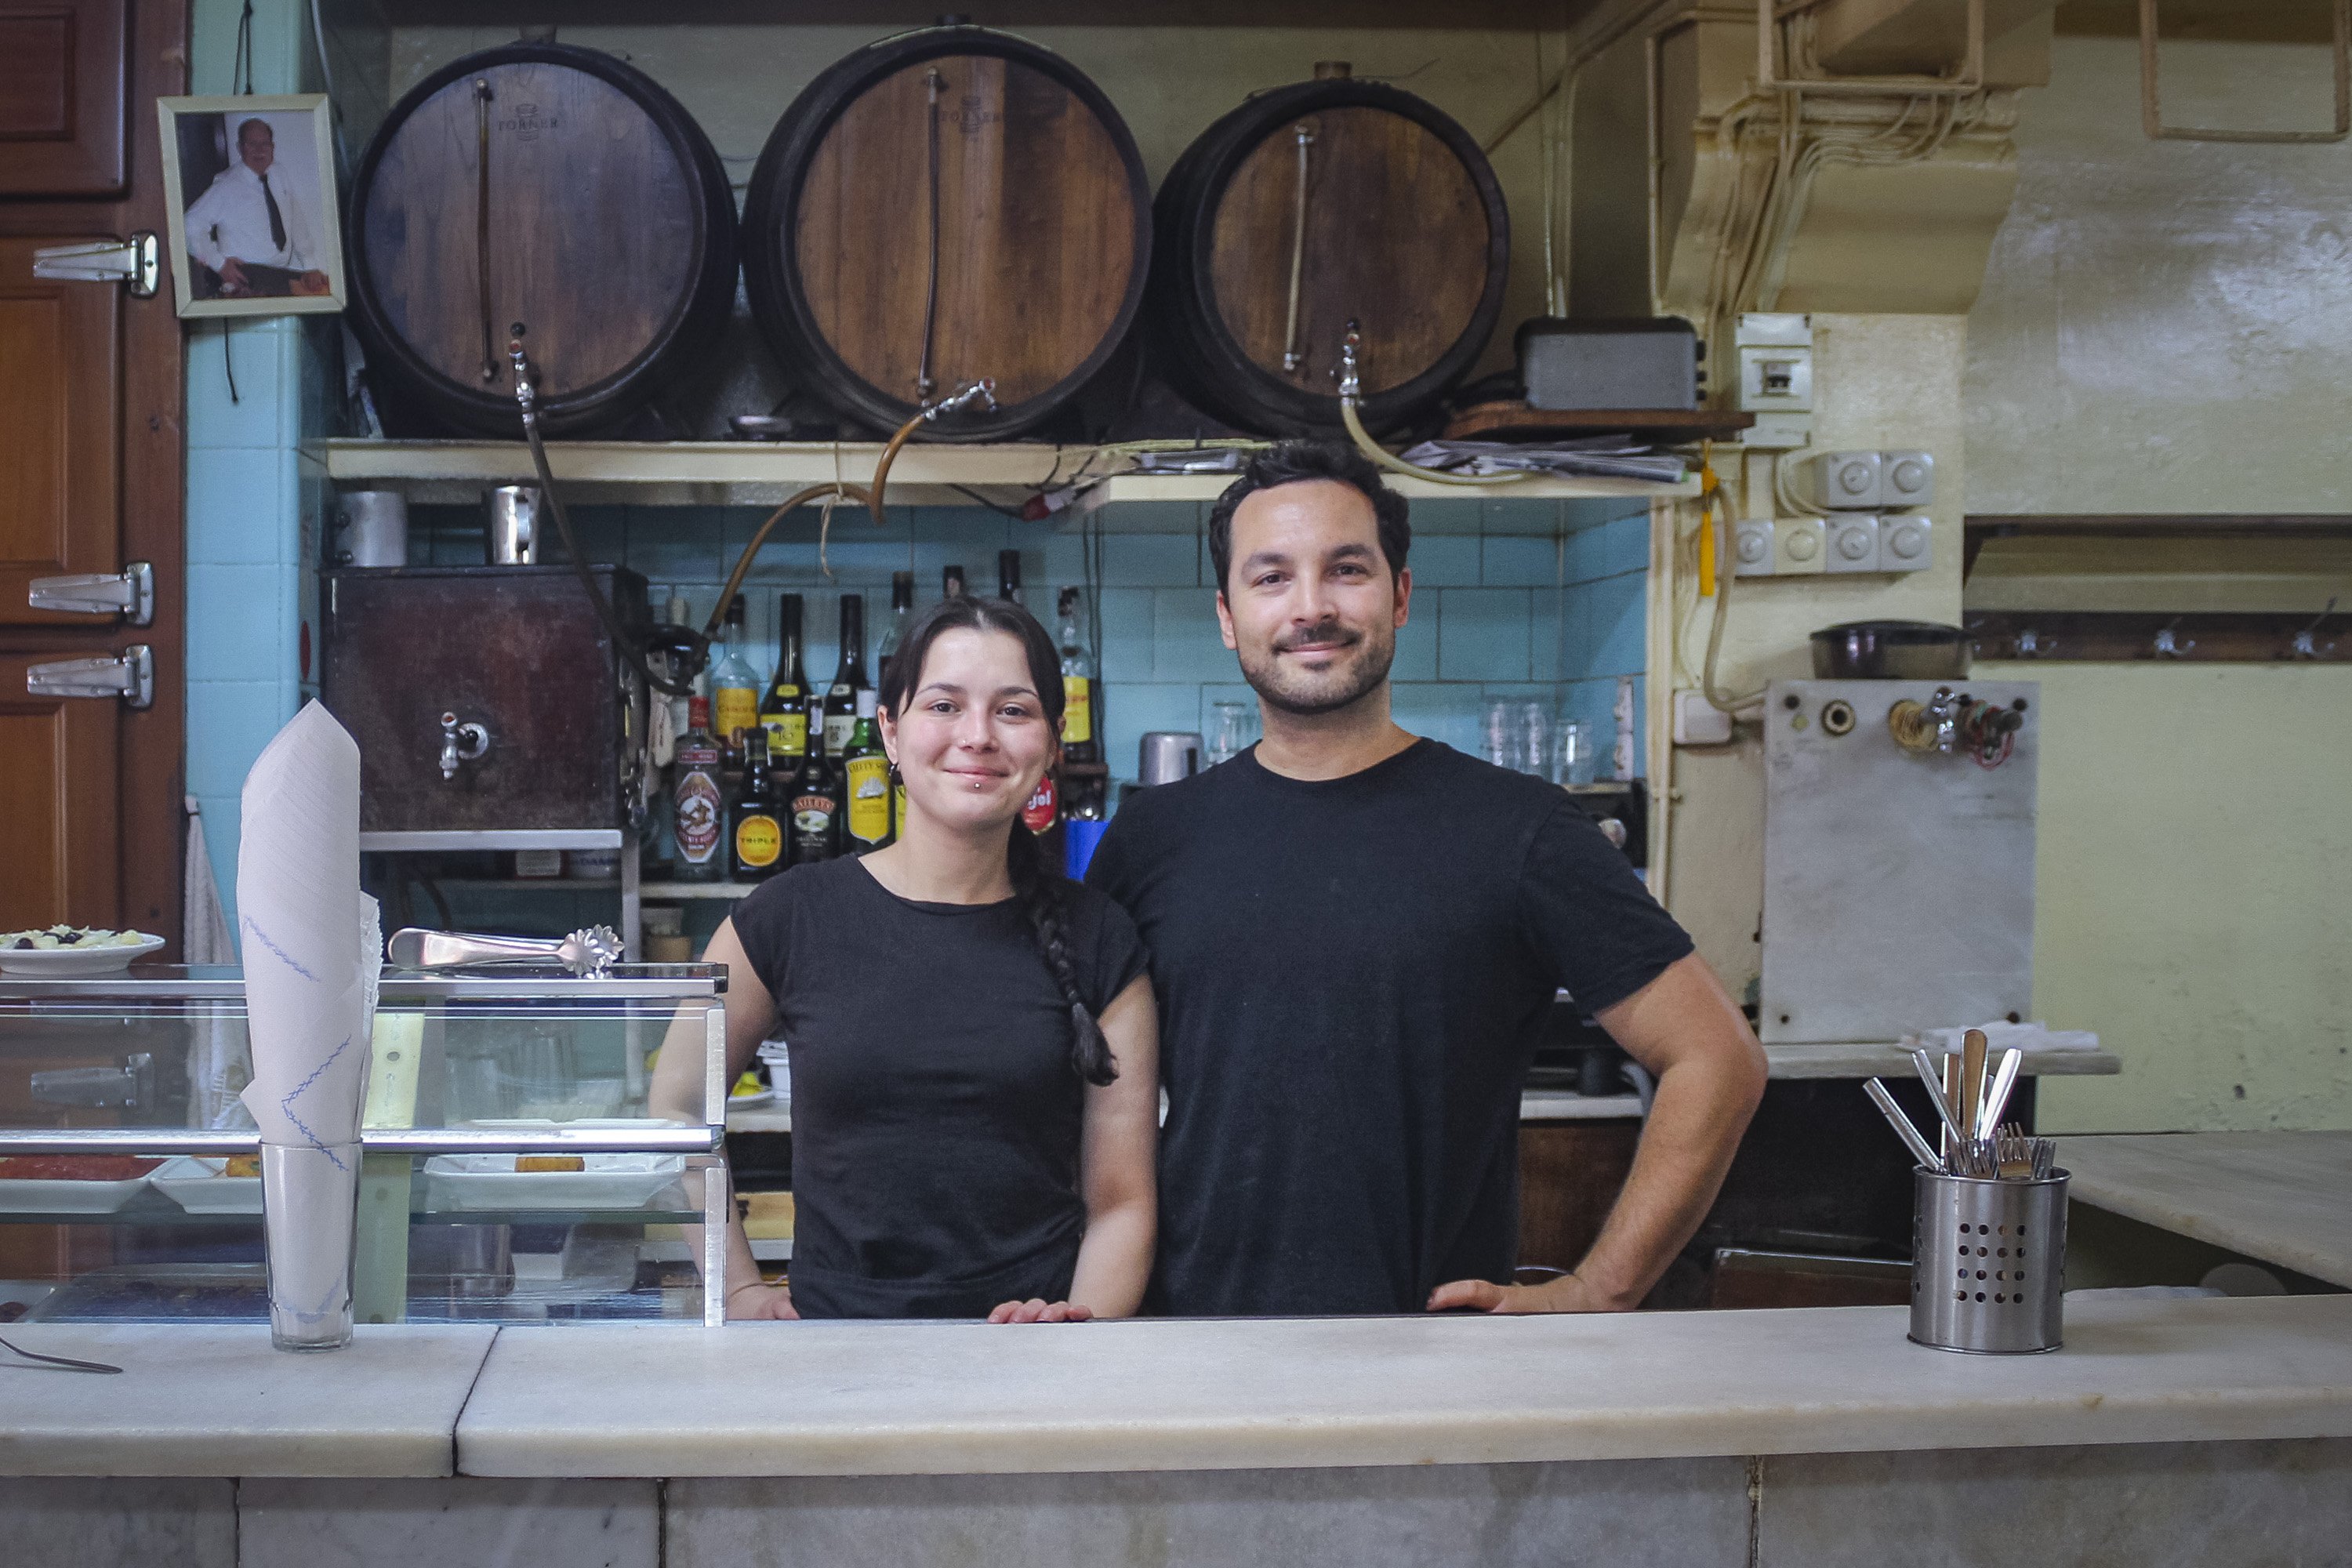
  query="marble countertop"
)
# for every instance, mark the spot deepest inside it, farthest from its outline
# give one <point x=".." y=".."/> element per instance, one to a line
<point x="1868" y="1058"/>
<point x="198" y="1399"/>
<point x="871" y="1399"/>
<point x="2284" y="1197"/>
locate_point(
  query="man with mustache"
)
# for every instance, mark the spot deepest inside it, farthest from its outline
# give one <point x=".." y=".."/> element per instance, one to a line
<point x="1356" y="935"/>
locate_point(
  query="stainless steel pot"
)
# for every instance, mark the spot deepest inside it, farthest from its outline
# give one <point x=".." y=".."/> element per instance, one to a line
<point x="1891" y="650"/>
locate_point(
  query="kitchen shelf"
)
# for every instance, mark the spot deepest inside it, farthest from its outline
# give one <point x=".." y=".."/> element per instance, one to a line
<point x="728" y="891"/>
<point x="746" y="473"/>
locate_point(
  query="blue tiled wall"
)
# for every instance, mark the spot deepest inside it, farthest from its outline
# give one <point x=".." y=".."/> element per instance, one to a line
<point x="1510" y="598"/>
<point x="253" y="501"/>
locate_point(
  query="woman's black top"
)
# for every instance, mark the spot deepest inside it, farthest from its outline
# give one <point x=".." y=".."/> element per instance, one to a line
<point x="936" y="1113"/>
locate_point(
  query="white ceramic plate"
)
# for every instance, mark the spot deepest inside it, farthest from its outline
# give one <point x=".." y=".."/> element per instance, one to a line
<point x="57" y="962"/>
<point x="194" y="1182"/>
<point x="462" y="1181"/>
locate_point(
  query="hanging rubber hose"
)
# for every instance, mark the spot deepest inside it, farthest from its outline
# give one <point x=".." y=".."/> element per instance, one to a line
<point x="1351" y="392"/>
<point x="689" y="649"/>
<point x="1715" y="511"/>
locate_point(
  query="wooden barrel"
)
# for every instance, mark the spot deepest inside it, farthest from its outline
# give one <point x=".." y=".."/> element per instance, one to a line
<point x="1030" y="274"/>
<point x="1403" y="229"/>
<point x="610" y="235"/>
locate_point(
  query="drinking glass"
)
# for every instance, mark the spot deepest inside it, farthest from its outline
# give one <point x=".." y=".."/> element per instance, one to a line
<point x="1571" y="753"/>
<point x="1496" y="733"/>
<point x="1531" y="739"/>
<point x="1228" y="732"/>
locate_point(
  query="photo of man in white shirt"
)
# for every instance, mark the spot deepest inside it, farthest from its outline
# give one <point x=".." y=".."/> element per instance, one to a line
<point x="251" y="230"/>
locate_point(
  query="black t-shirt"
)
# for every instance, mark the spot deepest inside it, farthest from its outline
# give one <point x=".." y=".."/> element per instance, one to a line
<point x="936" y="1114"/>
<point x="1351" y="976"/>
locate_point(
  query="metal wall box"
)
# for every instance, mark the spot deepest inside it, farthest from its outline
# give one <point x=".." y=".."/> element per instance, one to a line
<point x="1899" y="885"/>
<point x="1641" y="362"/>
<point x="549" y="718"/>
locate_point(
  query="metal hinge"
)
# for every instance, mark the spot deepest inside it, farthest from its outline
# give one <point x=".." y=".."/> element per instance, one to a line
<point x="127" y="1088"/>
<point x="130" y="593"/>
<point x="137" y="261"/>
<point x="131" y="677"/>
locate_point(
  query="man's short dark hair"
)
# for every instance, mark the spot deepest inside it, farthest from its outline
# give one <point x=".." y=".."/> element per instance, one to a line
<point x="256" y="123"/>
<point x="1291" y="462"/>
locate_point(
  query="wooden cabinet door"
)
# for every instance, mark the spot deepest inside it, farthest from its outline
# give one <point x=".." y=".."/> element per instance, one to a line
<point x="1570" y="1175"/>
<point x="64" y="93"/>
<point x="60" y="441"/>
<point x="92" y="456"/>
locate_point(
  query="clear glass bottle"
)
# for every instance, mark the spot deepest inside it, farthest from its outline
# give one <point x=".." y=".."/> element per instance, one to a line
<point x="1080" y="722"/>
<point x="734" y="686"/>
<point x="902" y="611"/>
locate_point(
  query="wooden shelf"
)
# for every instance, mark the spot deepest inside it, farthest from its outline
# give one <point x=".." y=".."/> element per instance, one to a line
<point x="751" y="473"/>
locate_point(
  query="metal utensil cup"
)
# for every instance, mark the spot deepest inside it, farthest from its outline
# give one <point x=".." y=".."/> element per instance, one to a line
<point x="309" y="1215"/>
<point x="1987" y="1263"/>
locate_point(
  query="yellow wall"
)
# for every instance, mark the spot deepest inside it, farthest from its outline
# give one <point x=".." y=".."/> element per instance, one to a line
<point x="2162" y="330"/>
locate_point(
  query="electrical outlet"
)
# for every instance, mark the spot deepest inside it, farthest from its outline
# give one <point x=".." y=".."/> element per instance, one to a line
<point x="1906" y="478"/>
<point x="1752" y="548"/>
<point x="1853" y="543"/>
<point x="1906" y="542"/>
<point x="1698" y="723"/>
<point x="1841" y="481"/>
<point x="1801" y="546"/>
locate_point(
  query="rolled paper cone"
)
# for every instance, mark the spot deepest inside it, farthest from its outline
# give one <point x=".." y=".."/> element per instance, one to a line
<point x="309" y="1204"/>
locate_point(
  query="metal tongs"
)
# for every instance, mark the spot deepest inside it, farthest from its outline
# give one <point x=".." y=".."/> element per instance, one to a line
<point x="590" y="952"/>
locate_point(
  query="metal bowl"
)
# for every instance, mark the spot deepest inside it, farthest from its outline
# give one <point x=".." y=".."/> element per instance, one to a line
<point x="1891" y="650"/>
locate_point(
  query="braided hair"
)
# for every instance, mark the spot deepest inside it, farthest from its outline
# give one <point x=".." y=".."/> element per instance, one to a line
<point x="1038" y="887"/>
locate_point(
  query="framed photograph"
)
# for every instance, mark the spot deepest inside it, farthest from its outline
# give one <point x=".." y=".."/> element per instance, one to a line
<point x="250" y="185"/>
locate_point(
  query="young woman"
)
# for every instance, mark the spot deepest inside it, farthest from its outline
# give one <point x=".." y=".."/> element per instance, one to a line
<point x="975" y="1082"/>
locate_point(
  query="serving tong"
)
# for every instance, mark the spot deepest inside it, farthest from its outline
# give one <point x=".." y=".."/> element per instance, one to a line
<point x="591" y="951"/>
<point x="1969" y="1103"/>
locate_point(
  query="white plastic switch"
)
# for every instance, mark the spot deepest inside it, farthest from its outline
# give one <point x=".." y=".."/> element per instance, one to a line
<point x="1801" y="545"/>
<point x="1853" y="543"/>
<point x="1776" y="363"/>
<point x="1779" y="432"/>
<point x="1698" y="723"/>
<point x="1905" y="479"/>
<point x="1751" y="547"/>
<point x="1906" y="542"/>
<point x="1843" y="481"/>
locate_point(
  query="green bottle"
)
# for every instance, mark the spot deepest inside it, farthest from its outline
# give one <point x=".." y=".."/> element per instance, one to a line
<point x="866" y="769"/>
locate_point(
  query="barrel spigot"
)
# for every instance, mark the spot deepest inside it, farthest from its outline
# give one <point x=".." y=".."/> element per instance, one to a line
<point x="982" y="391"/>
<point x="1351" y="386"/>
<point x="525" y="394"/>
<point x="463" y="743"/>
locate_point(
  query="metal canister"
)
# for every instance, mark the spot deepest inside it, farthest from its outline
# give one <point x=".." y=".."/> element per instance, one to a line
<point x="1987" y="1263"/>
<point x="514" y="525"/>
<point x="1167" y="755"/>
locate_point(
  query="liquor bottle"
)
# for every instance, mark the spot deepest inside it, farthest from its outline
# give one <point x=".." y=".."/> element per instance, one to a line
<point x="865" y="783"/>
<point x="902" y="610"/>
<point x="758" y="835"/>
<point x="698" y="807"/>
<point x="734" y="686"/>
<point x="1078" y="718"/>
<point x="783" y="709"/>
<point x="848" y="678"/>
<point x="814" y="801"/>
<point x="1008" y="575"/>
<point x="951" y="582"/>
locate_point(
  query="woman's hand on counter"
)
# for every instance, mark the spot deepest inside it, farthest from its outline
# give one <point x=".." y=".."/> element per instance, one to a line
<point x="756" y="1300"/>
<point x="1568" y="1293"/>
<point x="1037" y="1310"/>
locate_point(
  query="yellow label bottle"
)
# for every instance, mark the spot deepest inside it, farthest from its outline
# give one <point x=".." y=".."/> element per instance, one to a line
<point x="1078" y="710"/>
<point x="870" y="801"/>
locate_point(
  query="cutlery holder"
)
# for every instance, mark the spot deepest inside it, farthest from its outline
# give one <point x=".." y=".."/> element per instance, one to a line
<point x="1987" y="1263"/>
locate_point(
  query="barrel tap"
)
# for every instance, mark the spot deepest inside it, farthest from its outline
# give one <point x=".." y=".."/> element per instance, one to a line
<point x="1929" y="726"/>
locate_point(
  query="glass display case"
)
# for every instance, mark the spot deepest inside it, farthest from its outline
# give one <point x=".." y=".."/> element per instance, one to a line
<point x="514" y="1171"/>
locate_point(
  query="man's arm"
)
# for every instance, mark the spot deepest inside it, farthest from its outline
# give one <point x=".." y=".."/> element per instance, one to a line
<point x="198" y="227"/>
<point x="1686" y="1031"/>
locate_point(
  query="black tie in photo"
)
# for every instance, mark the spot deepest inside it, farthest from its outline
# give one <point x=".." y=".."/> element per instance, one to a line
<point x="277" y="220"/>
